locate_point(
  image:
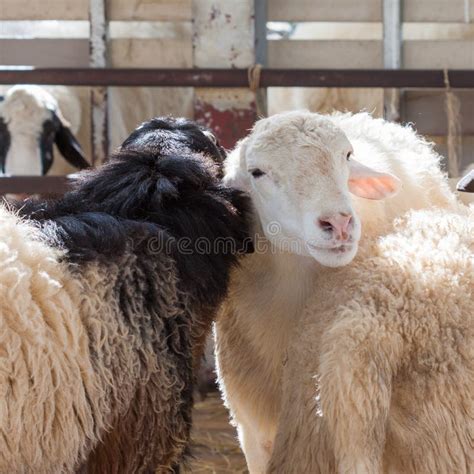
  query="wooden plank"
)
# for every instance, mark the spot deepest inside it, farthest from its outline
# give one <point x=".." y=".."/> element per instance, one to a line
<point x="392" y="34"/>
<point x="368" y="54"/>
<point x="455" y="54"/>
<point x="325" y="54"/>
<point x="223" y="33"/>
<point x="437" y="31"/>
<point x="261" y="16"/>
<point x="150" y="29"/>
<point x="392" y="54"/>
<point x="224" y="37"/>
<point x="437" y="11"/>
<point x="148" y="53"/>
<point x="427" y="111"/>
<point x="324" y="10"/>
<point x="368" y="10"/>
<point x="98" y="59"/>
<point x="230" y="113"/>
<point x="45" y="52"/>
<point x="44" y="29"/>
<point x="37" y="10"/>
<point x="150" y="10"/>
<point x="261" y="52"/>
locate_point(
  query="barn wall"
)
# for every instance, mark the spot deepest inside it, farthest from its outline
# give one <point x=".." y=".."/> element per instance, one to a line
<point x="224" y="38"/>
<point x="161" y="33"/>
<point x="344" y="34"/>
<point x="142" y="33"/>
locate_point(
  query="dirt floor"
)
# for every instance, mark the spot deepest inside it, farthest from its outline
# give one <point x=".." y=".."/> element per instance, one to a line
<point x="214" y="441"/>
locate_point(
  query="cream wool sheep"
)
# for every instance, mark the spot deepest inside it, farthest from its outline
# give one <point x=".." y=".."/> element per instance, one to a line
<point x="380" y="368"/>
<point x="41" y="318"/>
<point x="294" y="166"/>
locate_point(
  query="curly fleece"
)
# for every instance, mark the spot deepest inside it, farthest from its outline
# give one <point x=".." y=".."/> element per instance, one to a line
<point x="100" y="329"/>
<point x="384" y="360"/>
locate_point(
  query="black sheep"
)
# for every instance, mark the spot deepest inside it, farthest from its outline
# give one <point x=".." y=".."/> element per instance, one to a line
<point x="134" y="262"/>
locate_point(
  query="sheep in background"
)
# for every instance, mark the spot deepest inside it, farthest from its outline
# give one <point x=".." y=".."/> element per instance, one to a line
<point x="106" y="298"/>
<point x="380" y="368"/>
<point x="296" y="167"/>
<point x="32" y="120"/>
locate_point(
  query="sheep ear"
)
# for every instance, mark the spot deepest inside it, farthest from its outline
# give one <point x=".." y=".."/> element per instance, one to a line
<point x="70" y="147"/>
<point x="370" y="184"/>
<point x="235" y="169"/>
<point x="466" y="184"/>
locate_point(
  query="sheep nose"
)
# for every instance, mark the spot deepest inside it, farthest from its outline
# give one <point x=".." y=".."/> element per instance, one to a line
<point x="338" y="224"/>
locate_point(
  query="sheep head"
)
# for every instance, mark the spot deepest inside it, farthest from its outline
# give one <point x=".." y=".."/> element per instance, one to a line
<point x="299" y="169"/>
<point x="30" y="124"/>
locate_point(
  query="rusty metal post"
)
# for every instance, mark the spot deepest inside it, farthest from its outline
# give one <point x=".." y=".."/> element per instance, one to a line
<point x="98" y="59"/>
<point x="261" y="51"/>
<point x="224" y="37"/>
<point x="392" y="51"/>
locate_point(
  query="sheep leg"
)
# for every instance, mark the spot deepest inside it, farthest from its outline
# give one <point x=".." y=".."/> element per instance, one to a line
<point x="256" y="446"/>
<point x="357" y="363"/>
<point x="301" y="443"/>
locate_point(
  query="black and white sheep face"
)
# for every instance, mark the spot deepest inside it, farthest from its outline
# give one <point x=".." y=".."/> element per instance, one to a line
<point x="30" y="124"/>
<point x="299" y="169"/>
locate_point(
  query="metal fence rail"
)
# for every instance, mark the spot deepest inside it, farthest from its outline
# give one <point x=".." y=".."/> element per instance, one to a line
<point x="34" y="184"/>
<point x="383" y="78"/>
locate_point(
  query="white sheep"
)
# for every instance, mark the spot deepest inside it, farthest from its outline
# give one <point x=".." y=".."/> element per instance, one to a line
<point x="380" y="369"/>
<point x="294" y="167"/>
<point x="32" y="120"/>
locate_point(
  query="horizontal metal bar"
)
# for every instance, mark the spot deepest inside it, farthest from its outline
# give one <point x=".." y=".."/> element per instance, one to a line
<point x="417" y="79"/>
<point x="34" y="184"/>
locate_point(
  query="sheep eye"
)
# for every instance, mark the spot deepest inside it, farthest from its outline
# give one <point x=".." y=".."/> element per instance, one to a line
<point x="256" y="173"/>
<point x="349" y="154"/>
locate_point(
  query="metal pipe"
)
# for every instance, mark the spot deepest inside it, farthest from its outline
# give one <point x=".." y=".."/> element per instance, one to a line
<point x="261" y="52"/>
<point x="406" y="78"/>
<point x="392" y="54"/>
<point x="34" y="184"/>
<point x="98" y="59"/>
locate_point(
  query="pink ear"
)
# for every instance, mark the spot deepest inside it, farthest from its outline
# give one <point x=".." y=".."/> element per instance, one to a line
<point x="370" y="184"/>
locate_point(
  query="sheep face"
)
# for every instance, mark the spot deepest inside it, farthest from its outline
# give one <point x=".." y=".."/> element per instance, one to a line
<point x="30" y="123"/>
<point x="299" y="170"/>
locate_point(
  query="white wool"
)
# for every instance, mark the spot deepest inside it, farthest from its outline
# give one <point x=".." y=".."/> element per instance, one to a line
<point x="397" y="149"/>
<point x="269" y="290"/>
<point x="382" y="357"/>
